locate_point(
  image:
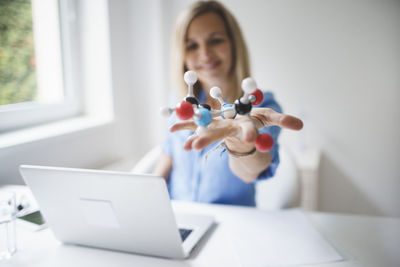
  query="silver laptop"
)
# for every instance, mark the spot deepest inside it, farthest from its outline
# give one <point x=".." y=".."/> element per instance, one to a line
<point x="113" y="210"/>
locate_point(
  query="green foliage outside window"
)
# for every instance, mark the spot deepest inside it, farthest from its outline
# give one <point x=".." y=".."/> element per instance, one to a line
<point x="17" y="57"/>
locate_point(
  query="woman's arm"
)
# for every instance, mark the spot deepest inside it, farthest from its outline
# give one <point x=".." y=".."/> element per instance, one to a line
<point x="242" y="161"/>
<point x="163" y="166"/>
<point x="248" y="168"/>
<point x="239" y="136"/>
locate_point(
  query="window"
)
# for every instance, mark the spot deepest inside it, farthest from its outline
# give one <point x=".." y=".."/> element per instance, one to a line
<point x="38" y="82"/>
<point x="17" y="56"/>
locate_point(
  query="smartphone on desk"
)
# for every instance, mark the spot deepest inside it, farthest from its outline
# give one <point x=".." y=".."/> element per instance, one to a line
<point x="32" y="220"/>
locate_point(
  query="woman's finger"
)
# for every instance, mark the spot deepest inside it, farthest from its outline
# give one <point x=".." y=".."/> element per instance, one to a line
<point x="291" y="122"/>
<point x="269" y="117"/>
<point x="188" y="143"/>
<point x="248" y="132"/>
<point x="211" y="136"/>
<point x="183" y="125"/>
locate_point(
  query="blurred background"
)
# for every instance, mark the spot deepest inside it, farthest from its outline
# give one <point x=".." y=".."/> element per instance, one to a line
<point x="81" y="84"/>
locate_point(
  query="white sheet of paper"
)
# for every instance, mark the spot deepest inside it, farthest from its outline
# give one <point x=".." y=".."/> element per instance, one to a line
<point x="278" y="238"/>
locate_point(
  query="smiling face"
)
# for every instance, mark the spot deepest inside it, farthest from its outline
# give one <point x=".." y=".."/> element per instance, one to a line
<point x="209" y="49"/>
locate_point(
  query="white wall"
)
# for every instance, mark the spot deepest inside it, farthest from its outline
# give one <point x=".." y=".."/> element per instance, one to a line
<point x="336" y="64"/>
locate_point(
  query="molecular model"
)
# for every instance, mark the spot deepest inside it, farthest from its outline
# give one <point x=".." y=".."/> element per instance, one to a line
<point x="202" y="114"/>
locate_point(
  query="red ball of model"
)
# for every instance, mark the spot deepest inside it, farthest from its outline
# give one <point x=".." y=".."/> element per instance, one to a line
<point x="259" y="97"/>
<point x="184" y="110"/>
<point x="264" y="142"/>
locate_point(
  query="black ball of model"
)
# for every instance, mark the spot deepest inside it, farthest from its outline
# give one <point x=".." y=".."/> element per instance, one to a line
<point x="192" y="100"/>
<point x="207" y="106"/>
<point x="242" y="108"/>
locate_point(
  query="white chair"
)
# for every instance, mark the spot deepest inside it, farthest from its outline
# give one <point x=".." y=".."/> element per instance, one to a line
<point x="147" y="163"/>
<point x="281" y="191"/>
<point x="295" y="182"/>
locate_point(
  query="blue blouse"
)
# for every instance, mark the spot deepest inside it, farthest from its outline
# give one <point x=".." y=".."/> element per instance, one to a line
<point x="194" y="178"/>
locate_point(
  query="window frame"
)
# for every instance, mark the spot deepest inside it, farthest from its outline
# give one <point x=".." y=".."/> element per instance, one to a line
<point x="27" y="114"/>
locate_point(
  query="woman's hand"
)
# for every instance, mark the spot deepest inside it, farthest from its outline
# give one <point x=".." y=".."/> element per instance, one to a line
<point x="239" y="134"/>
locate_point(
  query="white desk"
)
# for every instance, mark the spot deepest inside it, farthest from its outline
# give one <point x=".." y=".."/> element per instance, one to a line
<point x="364" y="241"/>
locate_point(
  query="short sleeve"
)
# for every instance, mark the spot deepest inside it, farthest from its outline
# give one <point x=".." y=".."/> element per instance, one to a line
<point x="168" y="143"/>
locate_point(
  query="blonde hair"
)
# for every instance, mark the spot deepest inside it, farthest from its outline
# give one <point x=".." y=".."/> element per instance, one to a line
<point x="240" y="57"/>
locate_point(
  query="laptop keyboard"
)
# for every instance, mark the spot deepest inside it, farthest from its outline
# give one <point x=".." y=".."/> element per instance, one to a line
<point x="184" y="233"/>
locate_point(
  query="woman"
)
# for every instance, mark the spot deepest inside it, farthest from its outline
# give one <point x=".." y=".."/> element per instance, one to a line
<point x="208" y="41"/>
